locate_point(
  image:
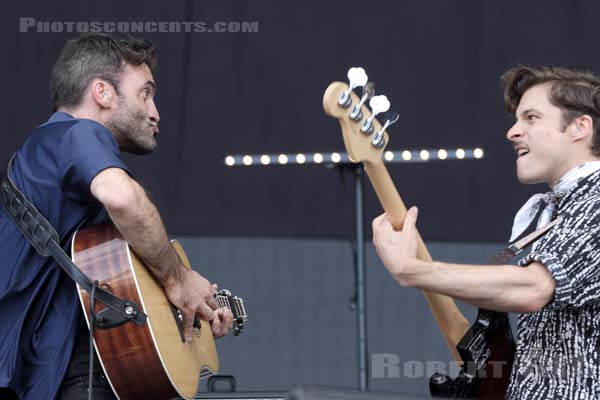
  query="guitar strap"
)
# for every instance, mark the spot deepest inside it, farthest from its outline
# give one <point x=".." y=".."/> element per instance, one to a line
<point x="44" y="238"/>
<point x="519" y="245"/>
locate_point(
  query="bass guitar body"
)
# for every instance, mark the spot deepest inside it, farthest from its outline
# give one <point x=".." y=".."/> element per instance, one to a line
<point x="487" y="351"/>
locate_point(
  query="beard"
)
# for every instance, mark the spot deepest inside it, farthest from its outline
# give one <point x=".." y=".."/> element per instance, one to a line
<point x="132" y="129"/>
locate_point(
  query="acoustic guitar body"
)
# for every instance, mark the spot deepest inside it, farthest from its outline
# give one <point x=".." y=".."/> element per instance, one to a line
<point x="152" y="361"/>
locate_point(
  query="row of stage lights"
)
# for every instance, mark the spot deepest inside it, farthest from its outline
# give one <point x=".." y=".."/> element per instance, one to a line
<point x="336" y="158"/>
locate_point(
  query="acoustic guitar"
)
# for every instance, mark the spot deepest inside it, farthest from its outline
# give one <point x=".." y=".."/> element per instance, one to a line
<point x="152" y="361"/>
<point x="484" y="350"/>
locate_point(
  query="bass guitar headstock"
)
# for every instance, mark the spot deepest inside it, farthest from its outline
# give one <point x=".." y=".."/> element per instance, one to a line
<point x="364" y="136"/>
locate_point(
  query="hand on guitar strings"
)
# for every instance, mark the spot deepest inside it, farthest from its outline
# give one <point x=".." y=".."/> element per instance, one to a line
<point x="222" y="323"/>
<point x="398" y="249"/>
<point x="192" y="294"/>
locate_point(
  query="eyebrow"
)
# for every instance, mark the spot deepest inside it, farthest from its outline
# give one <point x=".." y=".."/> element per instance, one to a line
<point x="529" y="111"/>
<point x="151" y="84"/>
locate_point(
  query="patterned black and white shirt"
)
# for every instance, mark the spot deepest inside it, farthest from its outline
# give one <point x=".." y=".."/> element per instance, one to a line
<point x="558" y="347"/>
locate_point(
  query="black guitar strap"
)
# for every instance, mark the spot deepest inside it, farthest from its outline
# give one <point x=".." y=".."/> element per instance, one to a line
<point x="44" y="238"/>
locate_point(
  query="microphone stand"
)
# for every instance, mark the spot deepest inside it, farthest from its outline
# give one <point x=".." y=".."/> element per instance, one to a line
<point x="358" y="300"/>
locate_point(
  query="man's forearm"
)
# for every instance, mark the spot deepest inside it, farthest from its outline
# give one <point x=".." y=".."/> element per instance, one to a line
<point x="505" y="288"/>
<point x="139" y="222"/>
<point x="141" y="226"/>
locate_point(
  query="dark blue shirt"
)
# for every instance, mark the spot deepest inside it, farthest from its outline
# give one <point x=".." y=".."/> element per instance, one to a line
<point x="40" y="312"/>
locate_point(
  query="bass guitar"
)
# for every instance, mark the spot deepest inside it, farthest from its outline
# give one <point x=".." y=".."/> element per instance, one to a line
<point x="485" y="350"/>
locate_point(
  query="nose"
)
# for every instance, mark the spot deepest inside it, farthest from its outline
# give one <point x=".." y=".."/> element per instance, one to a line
<point x="153" y="112"/>
<point x="515" y="132"/>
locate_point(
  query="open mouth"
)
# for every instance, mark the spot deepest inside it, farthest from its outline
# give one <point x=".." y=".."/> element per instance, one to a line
<point x="522" y="152"/>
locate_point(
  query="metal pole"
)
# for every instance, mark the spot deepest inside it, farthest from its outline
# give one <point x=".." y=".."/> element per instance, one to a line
<point x="361" y="310"/>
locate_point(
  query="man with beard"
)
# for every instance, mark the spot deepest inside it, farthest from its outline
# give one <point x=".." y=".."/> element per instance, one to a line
<point x="70" y="169"/>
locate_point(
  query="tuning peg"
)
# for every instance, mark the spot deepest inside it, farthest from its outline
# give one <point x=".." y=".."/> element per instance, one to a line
<point x="357" y="77"/>
<point x="378" y="105"/>
<point x="368" y="92"/>
<point x="378" y="140"/>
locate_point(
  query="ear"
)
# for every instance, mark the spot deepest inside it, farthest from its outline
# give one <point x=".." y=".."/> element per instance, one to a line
<point x="102" y="93"/>
<point x="582" y="128"/>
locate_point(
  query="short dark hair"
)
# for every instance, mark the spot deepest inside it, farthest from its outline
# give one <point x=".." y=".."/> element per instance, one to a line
<point x="92" y="56"/>
<point x="575" y="91"/>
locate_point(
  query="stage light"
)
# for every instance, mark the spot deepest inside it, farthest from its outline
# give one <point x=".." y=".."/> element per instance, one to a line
<point x="389" y="156"/>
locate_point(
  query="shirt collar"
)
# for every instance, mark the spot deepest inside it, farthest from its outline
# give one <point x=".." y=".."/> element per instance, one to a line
<point x="575" y="183"/>
<point x="586" y="184"/>
<point x="60" y="116"/>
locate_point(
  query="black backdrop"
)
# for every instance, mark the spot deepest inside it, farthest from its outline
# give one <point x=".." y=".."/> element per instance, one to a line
<point x="438" y="61"/>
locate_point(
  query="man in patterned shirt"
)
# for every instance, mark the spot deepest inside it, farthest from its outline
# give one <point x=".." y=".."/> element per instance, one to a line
<point x="556" y="288"/>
